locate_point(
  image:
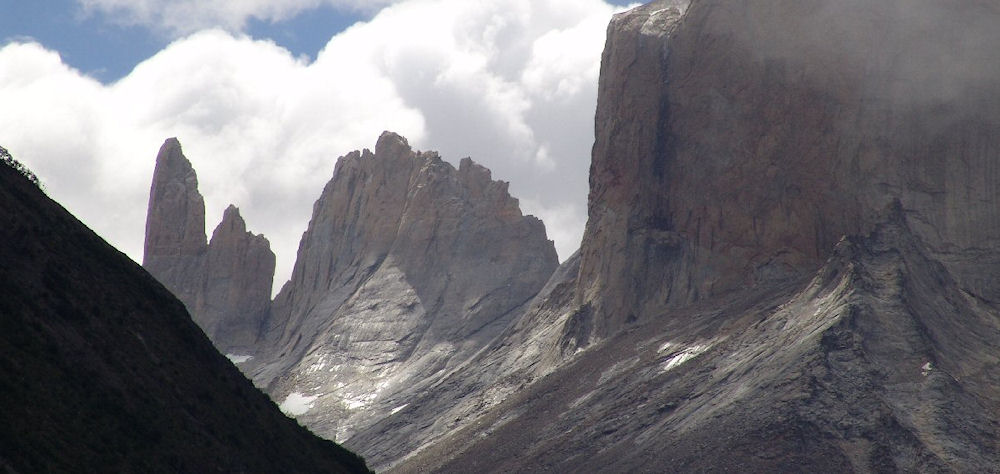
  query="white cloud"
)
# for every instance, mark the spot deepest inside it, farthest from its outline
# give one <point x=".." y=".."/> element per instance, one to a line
<point x="511" y="83"/>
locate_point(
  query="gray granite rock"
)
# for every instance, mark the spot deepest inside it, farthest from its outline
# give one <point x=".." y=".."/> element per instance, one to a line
<point x="736" y="144"/>
<point x="720" y="320"/>
<point x="102" y="369"/>
<point x="878" y="363"/>
<point x="409" y="267"/>
<point x="175" y="244"/>
<point x="239" y="271"/>
<point x="225" y="284"/>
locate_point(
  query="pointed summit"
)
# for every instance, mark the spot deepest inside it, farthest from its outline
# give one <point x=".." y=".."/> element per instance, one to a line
<point x="175" y="221"/>
<point x="237" y="291"/>
<point x="175" y="224"/>
<point x="226" y="285"/>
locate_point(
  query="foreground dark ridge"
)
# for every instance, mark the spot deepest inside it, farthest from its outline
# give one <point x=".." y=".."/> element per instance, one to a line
<point x="102" y="369"/>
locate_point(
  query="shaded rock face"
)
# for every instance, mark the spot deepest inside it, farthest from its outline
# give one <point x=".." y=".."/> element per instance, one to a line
<point x="102" y="369"/>
<point x="527" y="350"/>
<point x="175" y="246"/>
<point x="239" y="270"/>
<point x="720" y="319"/>
<point x="737" y="142"/>
<point x="408" y="268"/>
<point x="225" y="284"/>
<point x="879" y="363"/>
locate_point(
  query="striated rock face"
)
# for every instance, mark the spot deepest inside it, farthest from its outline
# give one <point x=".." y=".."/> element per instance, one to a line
<point x="879" y="363"/>
<point x="101" y="368"/>
<point x="225" y="284"/>
<point x="738" y="142"/>
<point x="408" y="268"/>
<point x="175" y="225"/>
<point x="527" y="350"/>
<point x="789" y="264"/>
<point x="239" y="271"/>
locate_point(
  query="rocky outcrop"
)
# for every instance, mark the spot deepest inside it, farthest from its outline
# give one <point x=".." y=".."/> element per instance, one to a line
<point x="175" y="248"/>
<point x="101" y="368"/>
<point x="408" y="268"/>
<point x="225" y="284"/>
<point x="239" y="271"/>
<point x="526" y="351"/>
<point x="789" y="264"/>
<point x="879" y="363"/>
<point x="720" y="319"/>
<point x="738" y="142"/>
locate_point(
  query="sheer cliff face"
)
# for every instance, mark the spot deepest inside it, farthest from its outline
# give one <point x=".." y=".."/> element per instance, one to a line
<point x="239" y="271"/>
<point x="409" y="266"/>
<point x="175" y="224"/>
<point x="736" y="144"/>
<point x="879" y="363"/>
<point x="790" y="258"/>
<point x="225" y="284"/>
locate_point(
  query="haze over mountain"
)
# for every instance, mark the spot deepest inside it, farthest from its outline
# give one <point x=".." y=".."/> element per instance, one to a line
<point x="103" y="370"/>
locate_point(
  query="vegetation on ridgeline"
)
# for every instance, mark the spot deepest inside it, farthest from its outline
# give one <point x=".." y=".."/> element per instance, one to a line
<point x="9" y="160"/>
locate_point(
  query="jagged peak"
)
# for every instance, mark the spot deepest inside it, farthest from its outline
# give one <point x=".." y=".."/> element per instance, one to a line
<point x="233" y="223"/>
<point x="468" y="167"/>
<point x="392" y="145"/>
<point x="171" y="162"/>
<point x="175" y="220"/>
<point x="232" y="220"/>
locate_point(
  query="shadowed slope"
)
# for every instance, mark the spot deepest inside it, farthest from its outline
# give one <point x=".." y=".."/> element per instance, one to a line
<point x="102" y="369"/>
<point x="880" y="364"/>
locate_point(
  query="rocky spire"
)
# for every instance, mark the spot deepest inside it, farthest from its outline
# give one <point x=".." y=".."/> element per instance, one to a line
<point x="408" y="267"/>
<point x="239" y="274"/>
<point x="226" y="285"/>
<point x="175" y="245"/>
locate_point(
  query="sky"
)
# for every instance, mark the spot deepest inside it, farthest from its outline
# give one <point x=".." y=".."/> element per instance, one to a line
<point x="265" y="95"/>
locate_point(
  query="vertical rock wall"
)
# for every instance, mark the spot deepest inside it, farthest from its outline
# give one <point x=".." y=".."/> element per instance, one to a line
<point x="225" y="284"/>
<point x="408" y="268"/>
<point x="738" y="142"/>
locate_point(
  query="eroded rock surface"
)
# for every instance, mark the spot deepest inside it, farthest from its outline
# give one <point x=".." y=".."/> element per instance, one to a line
<point x="879" y="363"/>
<point x="737" y="143"/>
<point x="239" y="270"/>
<point x="720" y="319"/>
<point x="225" y="284"/>
<point x="175" y="244"/>
<point x="408" y="268"/>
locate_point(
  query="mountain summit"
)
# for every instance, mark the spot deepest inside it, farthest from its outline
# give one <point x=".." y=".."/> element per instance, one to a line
<point x="789" y="264"/>
<point x="226" y="283"/>
<point x="409" y="267"/>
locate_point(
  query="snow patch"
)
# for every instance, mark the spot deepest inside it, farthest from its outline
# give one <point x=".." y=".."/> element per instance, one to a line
<point x="354" y="404"/>
<point x="397" y="409"/>
<point x="318" y="365"/>
<point x="683" y="356"/>
<point x="296" y="404"/>
<point x="238" y="359"/>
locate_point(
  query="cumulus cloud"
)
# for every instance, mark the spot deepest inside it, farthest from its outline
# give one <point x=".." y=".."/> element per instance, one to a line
<point x="511" y="83"/>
